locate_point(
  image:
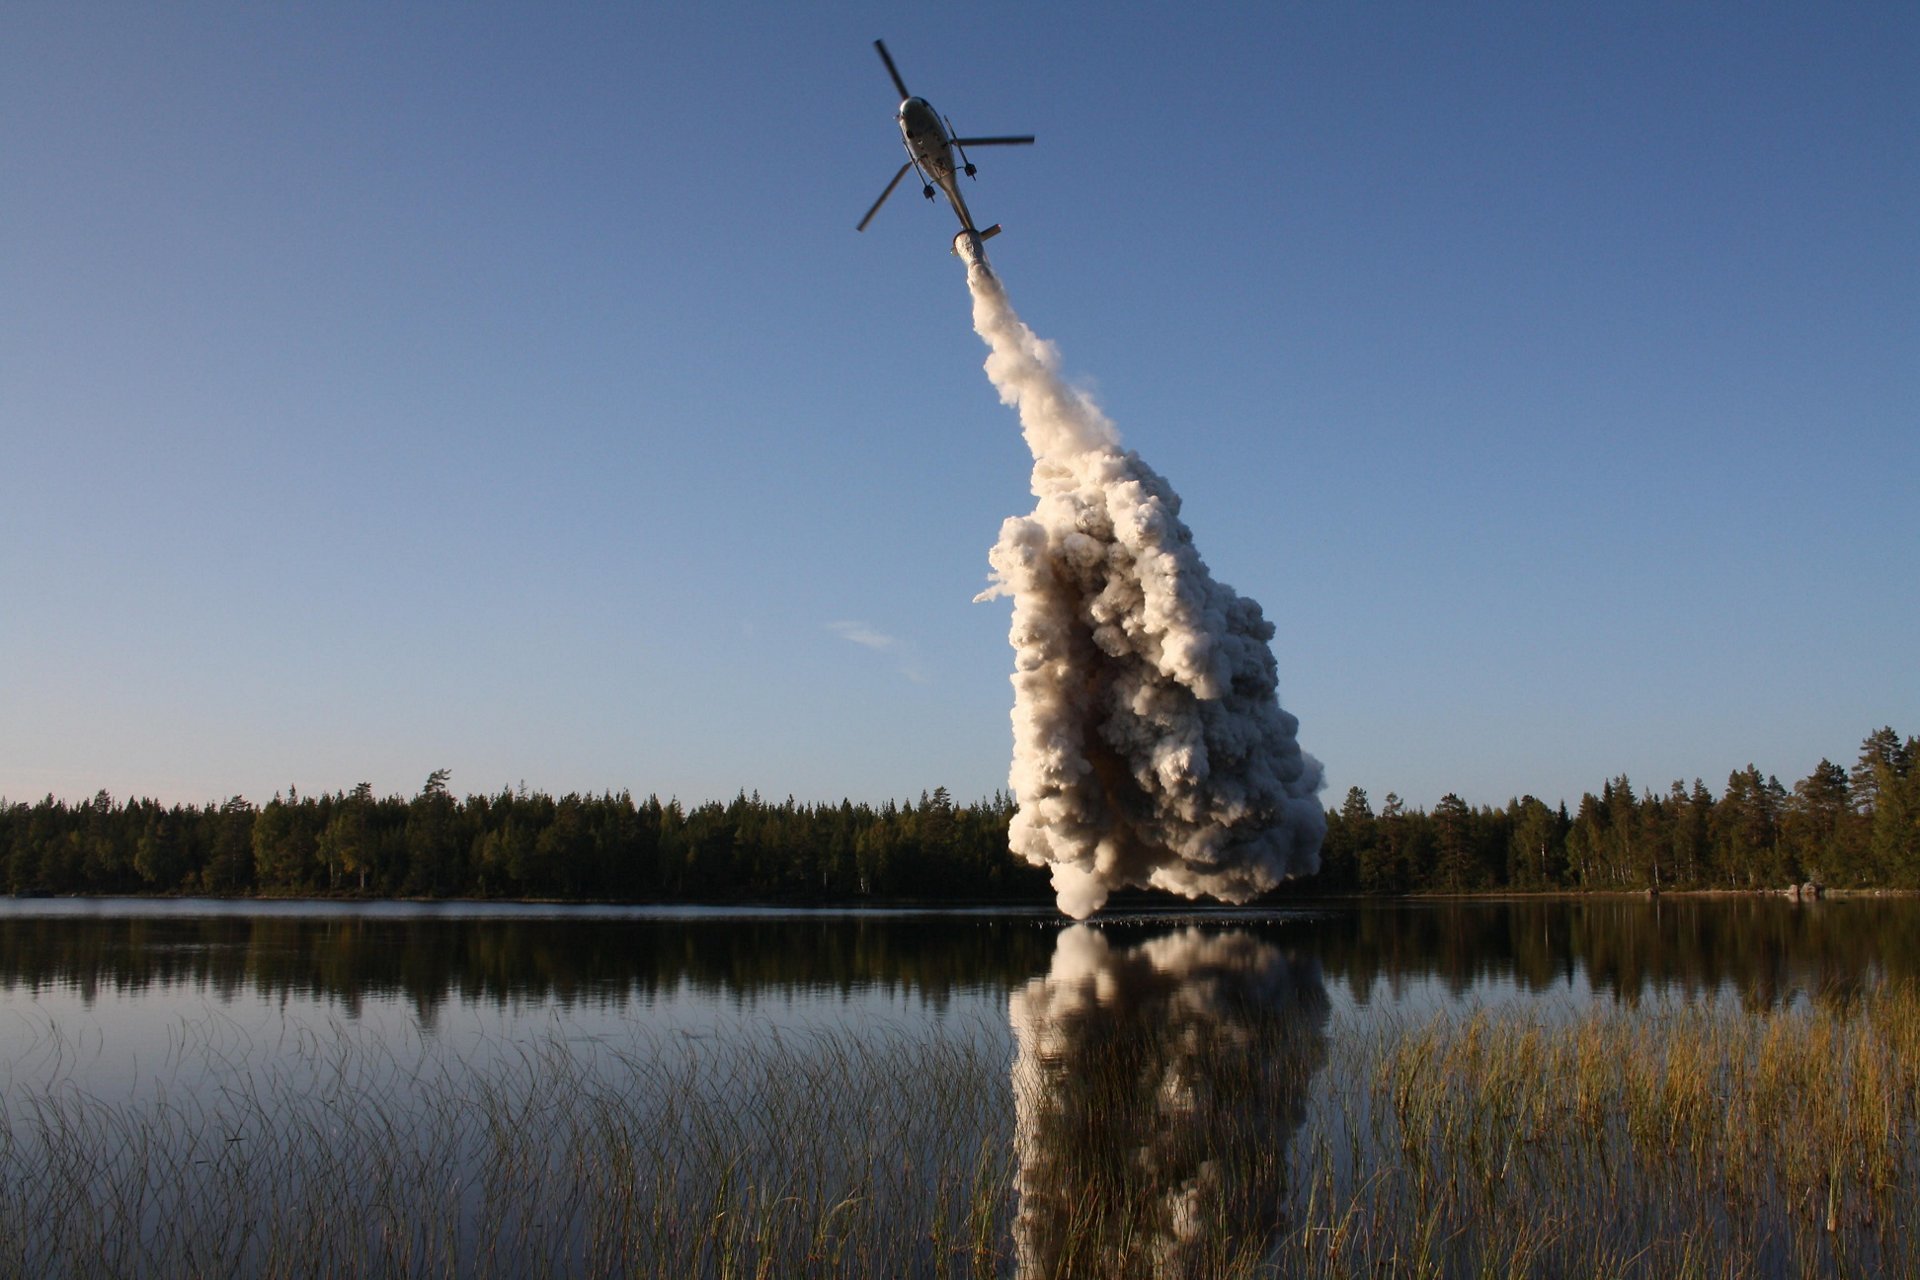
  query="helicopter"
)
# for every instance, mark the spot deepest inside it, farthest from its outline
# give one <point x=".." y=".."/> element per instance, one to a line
<point x="931" y="151"/>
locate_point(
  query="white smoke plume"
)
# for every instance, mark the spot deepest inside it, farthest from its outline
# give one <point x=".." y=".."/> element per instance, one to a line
<point x="1149" y="746"/>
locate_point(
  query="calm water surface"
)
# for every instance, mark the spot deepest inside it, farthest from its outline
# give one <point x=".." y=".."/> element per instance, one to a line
<point x="178" y="1008"/>
<point x="97" y="991"/>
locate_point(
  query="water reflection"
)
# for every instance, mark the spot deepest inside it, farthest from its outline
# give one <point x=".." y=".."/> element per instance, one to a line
<point x="1763" y="951"/>
<point x="593" y="960"/>
<point x="625" y="1083"/>
<point x="1156" y="1087"/>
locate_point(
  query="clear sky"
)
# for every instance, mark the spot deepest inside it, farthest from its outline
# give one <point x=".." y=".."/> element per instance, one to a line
<point x="504" y="388"/>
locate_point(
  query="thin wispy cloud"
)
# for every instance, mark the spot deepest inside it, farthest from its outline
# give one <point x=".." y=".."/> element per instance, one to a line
<point x="862" y="634"/>
<point x="867" y="637"/>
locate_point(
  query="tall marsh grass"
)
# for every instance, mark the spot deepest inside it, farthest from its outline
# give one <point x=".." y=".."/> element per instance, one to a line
<point x="1685" y="1140"/>
<point x="1682" y="1140"/>
<point x="663" y="1154"/>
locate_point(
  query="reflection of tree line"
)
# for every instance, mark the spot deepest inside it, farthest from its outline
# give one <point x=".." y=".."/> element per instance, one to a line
<point x="1762" y="948"/>
<point x="428" y="961"/>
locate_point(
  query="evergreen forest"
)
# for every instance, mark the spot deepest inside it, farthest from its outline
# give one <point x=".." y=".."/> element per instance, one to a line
<point x="1842" y="827"/>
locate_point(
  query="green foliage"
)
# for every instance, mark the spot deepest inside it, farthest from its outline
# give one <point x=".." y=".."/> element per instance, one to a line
<point x="519" y="845"/>
<point x="1537" y="847"/>
<point x="229" y="862"/>
<point x="1844" y="828"/>
<point x="1838" y="829"/>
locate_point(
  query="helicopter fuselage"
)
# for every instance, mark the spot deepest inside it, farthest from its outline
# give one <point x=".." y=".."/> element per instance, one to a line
<point x="931" y="147"/>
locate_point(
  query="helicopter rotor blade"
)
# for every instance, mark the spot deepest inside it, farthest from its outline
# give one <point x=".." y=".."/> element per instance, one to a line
<point x="1021" y="141"/>
<point x="883" y="196"/>
<point x="892" y="70"/>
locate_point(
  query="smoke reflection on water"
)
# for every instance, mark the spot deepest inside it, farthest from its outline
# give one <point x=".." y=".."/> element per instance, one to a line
<point x="1156" y="1089"/>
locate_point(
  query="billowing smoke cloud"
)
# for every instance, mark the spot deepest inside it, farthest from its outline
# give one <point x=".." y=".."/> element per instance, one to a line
<point x="1156" y="1088"/>
<point x="1149" y="747"/>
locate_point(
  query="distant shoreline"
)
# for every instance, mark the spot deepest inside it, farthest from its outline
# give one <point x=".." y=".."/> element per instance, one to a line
<point x="1120" y="905"/>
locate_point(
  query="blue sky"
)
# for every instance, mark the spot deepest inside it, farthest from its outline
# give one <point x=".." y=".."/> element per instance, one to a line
<point x="503" y="387"/>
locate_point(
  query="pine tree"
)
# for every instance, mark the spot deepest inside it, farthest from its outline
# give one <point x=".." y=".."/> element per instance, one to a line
<point x="1817" y="823"/>
<point x="1453" y="844"/>
<point x="1880" y="750"/>
<point x="1536" y="850"/>
<point x="1896" y="816"/>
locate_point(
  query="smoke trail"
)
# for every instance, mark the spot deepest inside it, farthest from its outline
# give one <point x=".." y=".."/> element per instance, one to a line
<point x="1149" y="748"/>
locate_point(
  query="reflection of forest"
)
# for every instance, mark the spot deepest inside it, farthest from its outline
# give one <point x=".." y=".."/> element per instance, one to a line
<point x="568" y="961"/>
<point x="1156" y="1088"/>
<point x="1763" y="949"/>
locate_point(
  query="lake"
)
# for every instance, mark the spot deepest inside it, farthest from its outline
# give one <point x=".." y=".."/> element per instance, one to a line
<point x="197" y="1087"/>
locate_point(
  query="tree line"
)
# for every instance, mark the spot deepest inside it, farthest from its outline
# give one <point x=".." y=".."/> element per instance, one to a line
<point x="1857" y="827"/>
<point x="517" y="844"/>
